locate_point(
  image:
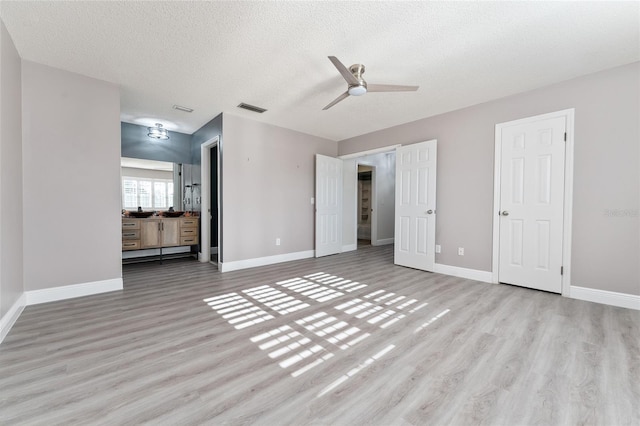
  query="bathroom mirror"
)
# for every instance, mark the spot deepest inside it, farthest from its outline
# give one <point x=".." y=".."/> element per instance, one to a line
<point x="151" y="185"/>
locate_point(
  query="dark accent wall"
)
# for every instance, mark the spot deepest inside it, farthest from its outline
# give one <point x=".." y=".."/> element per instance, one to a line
<point x="207" y="132"/>
<point x="210" y="130"/>
<point x="136" y="144"/>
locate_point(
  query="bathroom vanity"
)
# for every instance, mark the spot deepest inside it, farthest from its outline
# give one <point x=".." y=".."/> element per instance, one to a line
<point x="159" y="232"/>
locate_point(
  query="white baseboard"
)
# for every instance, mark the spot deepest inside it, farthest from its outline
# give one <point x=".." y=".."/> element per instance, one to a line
<point x="262" y="261"/>
<point x="45" y="295"/>
<point x="350" y="247"/>
<point x="470" y="274"/>
<point x="383" y="242"/>
<point x="622" y="300"/>
<point x="10" y="318"/>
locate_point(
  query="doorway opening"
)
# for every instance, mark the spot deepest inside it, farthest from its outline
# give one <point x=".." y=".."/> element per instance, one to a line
<point x="369" y="198"/>
<point x="214" y="211"/>
<point x="339" y="208"/>
<point x="365" y="204"/>
<point x="210" y="240"/>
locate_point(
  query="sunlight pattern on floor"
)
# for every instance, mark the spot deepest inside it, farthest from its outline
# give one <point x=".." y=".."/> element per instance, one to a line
<point x="307" y="288"/>
<point x="426" y="324"/>
<point x="311" y="340"/>
<point x="302" y="351"/>
<point x="367" y="362"/>
<point x="237" y="310"/>
<point x="382" y="309"/>
<point x="337" y="282"/>
<point x="334" y="331"/>
<point x="280" y="302"/>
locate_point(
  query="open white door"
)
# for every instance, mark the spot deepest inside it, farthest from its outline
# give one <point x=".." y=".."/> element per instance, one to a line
<point x="415" y="233"/>
<point x="328" y="205"/>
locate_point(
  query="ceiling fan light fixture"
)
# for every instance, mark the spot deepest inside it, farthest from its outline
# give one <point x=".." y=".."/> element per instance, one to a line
<point x="357" y="90"/>
<point x="158" y="132"/>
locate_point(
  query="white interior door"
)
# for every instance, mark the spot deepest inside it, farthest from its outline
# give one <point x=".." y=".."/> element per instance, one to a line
<point x="328" y="205"/>
<point x="532" y="164"/>
<point x="415" y="226"/>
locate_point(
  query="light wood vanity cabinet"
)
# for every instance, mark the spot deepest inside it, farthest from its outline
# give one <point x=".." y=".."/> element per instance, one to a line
<point x="140" y="234"/>
<point x="130" y="234"/>
<point x="188" y="231"/>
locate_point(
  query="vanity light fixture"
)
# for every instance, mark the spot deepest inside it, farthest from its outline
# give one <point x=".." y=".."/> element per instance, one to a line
<point x="158" y="132"/>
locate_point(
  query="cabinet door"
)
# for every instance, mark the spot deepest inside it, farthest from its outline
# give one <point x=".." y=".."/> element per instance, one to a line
<point x="150" y="233"/>
<point x="170" y="232"/>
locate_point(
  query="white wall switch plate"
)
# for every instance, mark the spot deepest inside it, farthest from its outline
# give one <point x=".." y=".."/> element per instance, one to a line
<point x="460" y="251"/>
<point x="438" y="248"/>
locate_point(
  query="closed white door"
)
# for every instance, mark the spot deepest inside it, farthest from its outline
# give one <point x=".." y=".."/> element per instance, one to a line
<point x="328" y="205"/>
<point x="415" y="227"/>
<point x="531" y="202"/>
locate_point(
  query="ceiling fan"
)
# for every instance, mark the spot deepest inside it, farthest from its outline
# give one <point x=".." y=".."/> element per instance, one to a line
<point x="357" y="86"/>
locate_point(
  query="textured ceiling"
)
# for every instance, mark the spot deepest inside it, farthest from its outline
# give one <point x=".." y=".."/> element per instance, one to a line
<point x="211" y="56"/>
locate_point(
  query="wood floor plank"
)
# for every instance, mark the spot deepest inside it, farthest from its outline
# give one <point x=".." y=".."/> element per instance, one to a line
<point x="370" y="343"/>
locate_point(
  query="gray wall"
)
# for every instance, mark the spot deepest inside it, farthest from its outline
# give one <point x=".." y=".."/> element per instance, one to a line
<point x="606" y="243"/>
<point x="71" y="178"/>
<point x="385" y="181"/>
<point x="11" y="257"/>
<point x="268" y="183"/>
<point x="136" y="144"/>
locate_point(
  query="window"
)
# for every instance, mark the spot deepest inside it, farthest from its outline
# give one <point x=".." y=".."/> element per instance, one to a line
<point x="155" y="194"/>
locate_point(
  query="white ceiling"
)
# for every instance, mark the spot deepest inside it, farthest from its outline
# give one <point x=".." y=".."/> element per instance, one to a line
<point x="211" y="56"/>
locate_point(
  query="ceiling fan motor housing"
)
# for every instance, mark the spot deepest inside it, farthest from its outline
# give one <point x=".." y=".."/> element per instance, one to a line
<point x="358" y="89"/>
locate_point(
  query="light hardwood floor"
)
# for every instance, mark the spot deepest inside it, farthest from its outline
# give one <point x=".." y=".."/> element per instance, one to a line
<point x="271" y="347"/>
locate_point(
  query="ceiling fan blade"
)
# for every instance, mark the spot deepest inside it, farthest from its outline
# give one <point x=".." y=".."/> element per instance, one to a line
<point x="336" y="100"/>
<point x="344" y="71"/>
<point x="390" y="88"/>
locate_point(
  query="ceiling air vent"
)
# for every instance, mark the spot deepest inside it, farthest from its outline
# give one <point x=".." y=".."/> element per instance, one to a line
<point x="251" y="108"/>
<point x="183" y="108"/>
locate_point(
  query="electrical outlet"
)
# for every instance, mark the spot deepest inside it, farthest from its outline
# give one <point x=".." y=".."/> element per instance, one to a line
<point x="277" y="241"/>
<point x="438" y="248"/>
<point x="460" y="251"/>
<point x="313" y="200"/>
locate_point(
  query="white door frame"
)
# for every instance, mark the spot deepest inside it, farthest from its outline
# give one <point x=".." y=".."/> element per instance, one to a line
<point x="205" y="172"/>
<point x="568" y="193"/>
<point x="374" y="203"/>
<point x="356" y="156"/>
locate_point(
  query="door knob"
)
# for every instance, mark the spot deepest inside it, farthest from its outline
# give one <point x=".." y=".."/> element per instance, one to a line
<point x="505" y="213"/>
<point x="429" y="211"/>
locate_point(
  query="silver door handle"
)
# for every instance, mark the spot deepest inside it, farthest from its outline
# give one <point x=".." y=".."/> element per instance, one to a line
<point x="429" y="211"/>
<point x="504" y="213"/>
